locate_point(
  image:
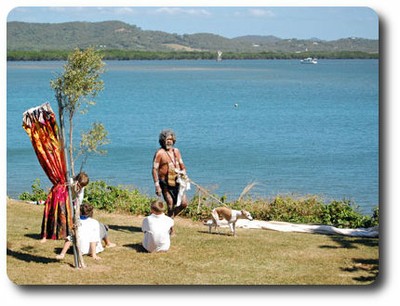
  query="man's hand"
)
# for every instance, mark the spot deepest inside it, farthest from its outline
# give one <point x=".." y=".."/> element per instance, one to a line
<point x="158" y="190"/>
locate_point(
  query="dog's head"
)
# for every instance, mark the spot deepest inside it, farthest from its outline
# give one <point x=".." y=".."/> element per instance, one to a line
<point x="247" y="215"/>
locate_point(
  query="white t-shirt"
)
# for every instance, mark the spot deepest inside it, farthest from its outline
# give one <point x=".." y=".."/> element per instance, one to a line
<point x="156" y="232"/>
<point x="89" y="231"/>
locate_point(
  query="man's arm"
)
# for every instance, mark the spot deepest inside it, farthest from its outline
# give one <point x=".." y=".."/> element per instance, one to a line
<point x="179" y="158"/>
<point x="154" y="172"/>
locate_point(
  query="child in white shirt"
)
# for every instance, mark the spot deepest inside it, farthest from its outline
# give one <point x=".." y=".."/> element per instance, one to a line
<point x="78" y="185"/>
<point x="89" y="233"/>
<point x="157" y="229"/>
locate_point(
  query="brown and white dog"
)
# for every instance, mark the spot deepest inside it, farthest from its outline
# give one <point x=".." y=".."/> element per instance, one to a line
<point x="230" y="215"/>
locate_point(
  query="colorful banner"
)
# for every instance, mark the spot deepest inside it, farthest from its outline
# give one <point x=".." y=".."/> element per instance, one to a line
<point x="41" y="126"/>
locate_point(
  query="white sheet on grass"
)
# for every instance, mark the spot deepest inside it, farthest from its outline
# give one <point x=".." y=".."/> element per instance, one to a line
<point x="371" y="232"/>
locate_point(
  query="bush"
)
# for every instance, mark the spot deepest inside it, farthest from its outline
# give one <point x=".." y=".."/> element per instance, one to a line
<point x="308" y="209"/>
<point x="111" y="198"/>
<point x="345" y="214"/>
<point x="302" y="210"/>
<point x="38" y="194"/>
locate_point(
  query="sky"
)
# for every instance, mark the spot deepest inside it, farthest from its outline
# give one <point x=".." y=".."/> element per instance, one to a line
<point x="326" y="23"/>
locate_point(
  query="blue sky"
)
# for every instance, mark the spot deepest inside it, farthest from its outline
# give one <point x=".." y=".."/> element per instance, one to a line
<point x="327" y="23"/>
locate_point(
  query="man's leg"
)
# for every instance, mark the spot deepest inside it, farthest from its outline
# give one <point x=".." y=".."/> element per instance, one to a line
<point x="183" y="205"/>
<point x="169" y="201"/>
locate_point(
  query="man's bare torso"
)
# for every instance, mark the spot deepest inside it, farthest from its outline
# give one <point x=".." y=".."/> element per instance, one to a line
<point x="164" y="158"/>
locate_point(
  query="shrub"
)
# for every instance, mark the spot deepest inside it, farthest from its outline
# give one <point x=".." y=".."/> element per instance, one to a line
<point x="112" y="198"/>
<point x="301" y="210"/>
<point x="345" y="214"/>
<point x="307" y="209"/>
<point x="38" y="194"/>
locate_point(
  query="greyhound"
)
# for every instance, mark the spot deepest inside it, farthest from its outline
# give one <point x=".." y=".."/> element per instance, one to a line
<point x="230" y="215"/>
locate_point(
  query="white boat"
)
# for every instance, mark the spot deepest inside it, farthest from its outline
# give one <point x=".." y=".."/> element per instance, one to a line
<point x="309" y="60"/>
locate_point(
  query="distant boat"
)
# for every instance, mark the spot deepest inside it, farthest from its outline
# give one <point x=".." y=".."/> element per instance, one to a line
<point x="309" y="60"/>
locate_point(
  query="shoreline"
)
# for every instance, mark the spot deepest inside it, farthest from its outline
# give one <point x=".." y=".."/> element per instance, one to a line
<point x="126" y="55"/>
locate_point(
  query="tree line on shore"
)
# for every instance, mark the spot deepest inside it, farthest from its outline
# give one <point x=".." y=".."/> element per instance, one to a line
<point x="61" y="55"/>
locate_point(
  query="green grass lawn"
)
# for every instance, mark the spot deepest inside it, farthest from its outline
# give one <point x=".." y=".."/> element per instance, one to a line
<point x="254" y="257"/>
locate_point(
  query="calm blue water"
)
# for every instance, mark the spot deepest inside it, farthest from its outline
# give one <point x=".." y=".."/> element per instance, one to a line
<point x="298" y="129"/>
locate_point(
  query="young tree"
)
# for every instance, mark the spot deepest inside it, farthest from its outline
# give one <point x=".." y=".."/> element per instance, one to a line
<point x="91" y="142"/>
<point x="76" y="88"/>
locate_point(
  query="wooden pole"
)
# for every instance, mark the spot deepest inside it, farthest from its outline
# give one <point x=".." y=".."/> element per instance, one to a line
<point x="78" y="261"/>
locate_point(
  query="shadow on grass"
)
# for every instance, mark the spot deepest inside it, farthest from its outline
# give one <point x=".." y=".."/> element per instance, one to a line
<point x="138" y="247"/>
<point x="220" y="233"/>
<point x="122" y="228"/>
<point x="30" y="257"/>
<point x="351" y="242"/>
<point x="33" y="236"/>
<point x="368" y="266"/>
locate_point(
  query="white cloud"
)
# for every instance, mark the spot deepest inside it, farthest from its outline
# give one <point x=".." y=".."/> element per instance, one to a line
<point x="123" y="10"/>
<point x="256" y="12"/>
<point x="183" y="11"/>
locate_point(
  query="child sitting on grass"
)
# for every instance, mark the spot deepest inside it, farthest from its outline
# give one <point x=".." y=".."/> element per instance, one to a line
<point x="157" y="229"/>
<point x="91" y="233"/>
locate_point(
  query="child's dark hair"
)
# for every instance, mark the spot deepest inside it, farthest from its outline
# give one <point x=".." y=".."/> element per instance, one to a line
<point x="87" y="210"/>
<point x="157" y="206"/>
<point x="82" y="178"/>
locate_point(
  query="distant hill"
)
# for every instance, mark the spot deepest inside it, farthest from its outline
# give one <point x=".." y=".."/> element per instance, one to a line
<point x="117" y="35"/>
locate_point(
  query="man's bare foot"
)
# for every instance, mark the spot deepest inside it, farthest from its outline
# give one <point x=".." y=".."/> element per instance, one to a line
<point x="111" y="245"/>
<point x="43" y="240"/>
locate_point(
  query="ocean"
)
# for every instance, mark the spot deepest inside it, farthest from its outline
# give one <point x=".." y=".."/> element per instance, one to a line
<point x="290" y="128"/>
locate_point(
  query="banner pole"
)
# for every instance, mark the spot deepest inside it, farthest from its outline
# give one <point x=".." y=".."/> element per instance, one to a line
<point x="67" y="177"/>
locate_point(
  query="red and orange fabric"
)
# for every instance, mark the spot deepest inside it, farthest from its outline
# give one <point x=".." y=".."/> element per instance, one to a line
<point x="41" y="126"/>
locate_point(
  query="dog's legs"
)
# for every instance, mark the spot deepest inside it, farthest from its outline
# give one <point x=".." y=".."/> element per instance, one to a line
<point x="215" y="218"/>
<point x="234" y="228"/>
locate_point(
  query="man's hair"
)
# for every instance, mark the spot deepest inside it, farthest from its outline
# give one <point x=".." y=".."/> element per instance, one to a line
<point x="164" y="135"/>
<point x="82" y="178"/>
<point x="87" y="210"/>
<point x="157" y="206"/>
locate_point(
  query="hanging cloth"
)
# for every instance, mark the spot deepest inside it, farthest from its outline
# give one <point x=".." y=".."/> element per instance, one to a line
<point x="41" y="126"/>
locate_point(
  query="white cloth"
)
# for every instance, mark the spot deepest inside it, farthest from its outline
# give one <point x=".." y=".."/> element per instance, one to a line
<point x="156" y="230"/>
<point x="372" y="232"/>
<point x="89" y="231"/>
<point x="184" y="185"/>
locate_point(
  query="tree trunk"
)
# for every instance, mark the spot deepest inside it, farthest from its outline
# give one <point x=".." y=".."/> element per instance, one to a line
<point x="77" y="223"/>
<point x="70" y="149"/>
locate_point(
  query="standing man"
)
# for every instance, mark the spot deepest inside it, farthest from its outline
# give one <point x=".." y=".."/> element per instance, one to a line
<point x="167" y="166"/>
